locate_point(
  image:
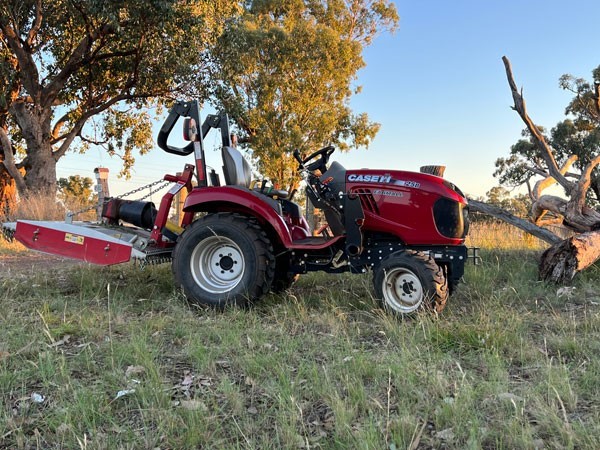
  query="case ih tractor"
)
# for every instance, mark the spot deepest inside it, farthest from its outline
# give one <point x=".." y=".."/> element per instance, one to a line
<point x="242" y="238"/>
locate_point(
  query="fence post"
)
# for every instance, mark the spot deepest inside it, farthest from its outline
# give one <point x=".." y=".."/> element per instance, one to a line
<point x="101" y="188"/>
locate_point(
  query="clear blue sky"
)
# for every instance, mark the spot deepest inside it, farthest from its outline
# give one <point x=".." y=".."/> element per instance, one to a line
<point x="439" y="90"/>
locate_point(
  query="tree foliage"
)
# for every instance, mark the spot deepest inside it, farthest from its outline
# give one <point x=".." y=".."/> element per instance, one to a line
<point x="284" y="70"/>
<point x="75" y="72"/>
<point x="517" y="205"/>
<point x="76" y="193"/>
<point x="578" y="134"/>
<point x="76" y="187"/>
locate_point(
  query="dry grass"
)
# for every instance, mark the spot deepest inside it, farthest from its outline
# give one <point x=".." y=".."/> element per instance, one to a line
<point x="502" y="236"/>
<point x="47" y="207"/>
<point x="38" y="207"/>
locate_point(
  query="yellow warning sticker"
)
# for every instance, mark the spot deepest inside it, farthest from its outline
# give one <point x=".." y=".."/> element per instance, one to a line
<point x="74" y="238"/>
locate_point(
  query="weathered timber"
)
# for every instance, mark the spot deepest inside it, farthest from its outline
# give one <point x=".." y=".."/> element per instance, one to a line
<point x="561" y="262"/>
<point x="494" y="211"/>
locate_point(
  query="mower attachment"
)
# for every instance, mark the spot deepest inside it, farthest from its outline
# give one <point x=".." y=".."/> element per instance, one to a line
<point x="83" y="242"/>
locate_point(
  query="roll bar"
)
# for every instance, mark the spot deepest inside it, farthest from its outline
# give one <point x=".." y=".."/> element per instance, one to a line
<point x="191" y="110"/>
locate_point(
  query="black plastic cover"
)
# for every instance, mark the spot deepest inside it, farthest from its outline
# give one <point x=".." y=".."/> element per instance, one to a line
<point x="450" y="219"/>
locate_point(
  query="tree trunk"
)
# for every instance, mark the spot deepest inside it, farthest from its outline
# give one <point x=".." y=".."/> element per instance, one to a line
<point x="40" y="163"/>
<point x="8" y="192"/>
<point x="41" y="170"/>
<point x="561" y="262"/>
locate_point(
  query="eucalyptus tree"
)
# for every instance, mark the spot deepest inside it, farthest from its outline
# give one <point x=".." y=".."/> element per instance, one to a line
<point x="285" y="70"/>
<point x="77" y="72"/>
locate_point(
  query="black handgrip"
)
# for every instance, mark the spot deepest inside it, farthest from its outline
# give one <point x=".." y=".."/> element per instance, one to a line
<point x="298" y="158"/>
<point x="180" y="109"/>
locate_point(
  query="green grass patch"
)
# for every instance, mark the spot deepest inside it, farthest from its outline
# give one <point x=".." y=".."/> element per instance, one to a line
<point x="115" y="358"/>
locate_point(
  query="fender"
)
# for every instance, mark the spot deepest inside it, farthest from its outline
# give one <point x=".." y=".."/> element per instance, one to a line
<point x="238" y="199"/>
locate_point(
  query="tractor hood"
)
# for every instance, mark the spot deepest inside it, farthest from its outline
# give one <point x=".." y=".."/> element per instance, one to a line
<point x="418" y="208"/>
<point x="402" y="180"/>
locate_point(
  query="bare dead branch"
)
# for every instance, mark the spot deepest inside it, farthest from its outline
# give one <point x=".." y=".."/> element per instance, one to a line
<point x="549" y="180"/>
<point x="545" y="150"/>
<point x="577" y="202"/>
<point x="525" y="225"/>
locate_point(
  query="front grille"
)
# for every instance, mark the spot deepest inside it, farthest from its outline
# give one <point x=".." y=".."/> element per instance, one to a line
<point x="449" y="218"/>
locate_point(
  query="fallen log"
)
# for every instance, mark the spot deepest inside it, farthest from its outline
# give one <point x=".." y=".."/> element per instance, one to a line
<point x="561" y="262"/>
<point x="531" y="228"/>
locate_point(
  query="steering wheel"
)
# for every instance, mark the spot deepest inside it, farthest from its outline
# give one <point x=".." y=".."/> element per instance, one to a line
<point x="320" y="163"/>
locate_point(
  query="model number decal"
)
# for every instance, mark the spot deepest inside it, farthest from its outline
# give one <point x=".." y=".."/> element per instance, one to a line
<point x="388" y="193"/>
<point x="370" y="178"/>
<point x="410" y="184"/>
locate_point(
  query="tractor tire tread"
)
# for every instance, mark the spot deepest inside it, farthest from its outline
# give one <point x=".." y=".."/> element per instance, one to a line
<point x="263" y="249"/>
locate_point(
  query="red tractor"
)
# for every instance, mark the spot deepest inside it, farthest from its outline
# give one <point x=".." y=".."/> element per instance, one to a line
<point x="408" y="228"/>
<point x="243" y="238"/>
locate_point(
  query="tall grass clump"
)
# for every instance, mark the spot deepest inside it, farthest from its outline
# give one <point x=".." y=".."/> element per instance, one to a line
<point x="501" y="236"/>
<point x="38" y="207"/>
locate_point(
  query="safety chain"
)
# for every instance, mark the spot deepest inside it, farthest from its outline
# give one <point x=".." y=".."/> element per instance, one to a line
<point x="70" y="215"/>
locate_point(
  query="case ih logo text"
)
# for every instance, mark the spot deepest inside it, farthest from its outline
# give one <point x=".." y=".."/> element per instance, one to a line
<point x="370" y="178"/>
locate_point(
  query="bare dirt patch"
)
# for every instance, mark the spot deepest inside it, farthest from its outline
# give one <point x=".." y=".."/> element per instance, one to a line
<point x="29" y="263"/>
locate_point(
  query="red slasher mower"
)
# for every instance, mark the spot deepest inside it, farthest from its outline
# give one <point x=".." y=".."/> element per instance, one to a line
<point x="243" y="238"/>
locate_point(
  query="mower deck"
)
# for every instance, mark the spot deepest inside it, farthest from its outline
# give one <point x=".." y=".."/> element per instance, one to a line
<point x="89" y="242"/>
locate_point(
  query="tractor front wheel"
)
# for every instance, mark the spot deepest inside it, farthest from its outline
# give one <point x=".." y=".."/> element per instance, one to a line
<point x="410" y="280"/>
<point x="223" y="259"/>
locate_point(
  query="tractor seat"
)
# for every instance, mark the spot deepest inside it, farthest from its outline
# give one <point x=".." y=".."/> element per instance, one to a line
<point x="237" y="172"/>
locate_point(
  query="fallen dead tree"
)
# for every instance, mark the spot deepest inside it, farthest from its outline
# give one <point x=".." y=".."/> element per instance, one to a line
<point x="565" y="258"/>
<point x="525" y="225"/>
<point x="561" y="262"/>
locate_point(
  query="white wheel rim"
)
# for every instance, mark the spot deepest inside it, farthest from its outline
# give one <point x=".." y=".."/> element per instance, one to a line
<point x="217" y="264"/>
<point x="402" y="290"/>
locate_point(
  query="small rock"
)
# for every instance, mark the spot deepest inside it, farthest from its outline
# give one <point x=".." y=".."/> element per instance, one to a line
<point x="37" y="398"/>
<point x="134" y="370"/>
<point x="445" y="435"/>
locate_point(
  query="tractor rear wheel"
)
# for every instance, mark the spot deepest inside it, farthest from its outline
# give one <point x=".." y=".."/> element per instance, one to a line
<point x="408" y="281"/>
<point x="224" y="259"/>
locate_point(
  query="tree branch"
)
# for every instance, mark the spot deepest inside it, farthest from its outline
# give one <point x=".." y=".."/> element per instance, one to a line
<point x="91" y="141"/>
<point x="577" y="202"/>
<point x="524" y="225"/>
<point x="28" y="72"/>
<point x="545" y="150"/>
<point x="36" y="25"/>
<point x="76" y="60"/>
<point x="549" y="180"/>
